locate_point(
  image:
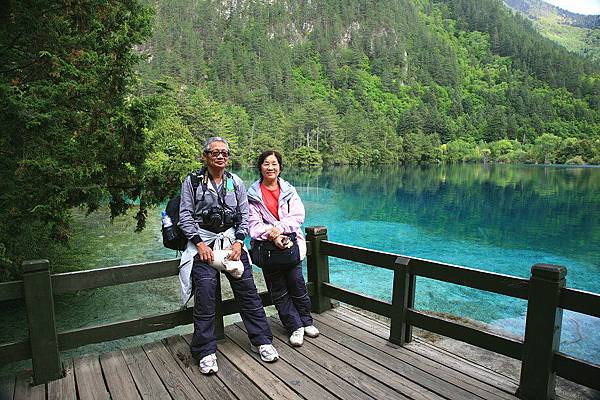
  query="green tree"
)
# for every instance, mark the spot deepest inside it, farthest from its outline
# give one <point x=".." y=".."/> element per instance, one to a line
<point x="545" y="148"/>
<point x="73" y="134"/>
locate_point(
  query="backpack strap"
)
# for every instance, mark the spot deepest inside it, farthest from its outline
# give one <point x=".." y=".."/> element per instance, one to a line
<point x="195" y="178"/>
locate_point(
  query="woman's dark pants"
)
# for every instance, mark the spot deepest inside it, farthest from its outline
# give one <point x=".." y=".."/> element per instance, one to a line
<point x="204" y="277"/>
<point x="288" y="292"/>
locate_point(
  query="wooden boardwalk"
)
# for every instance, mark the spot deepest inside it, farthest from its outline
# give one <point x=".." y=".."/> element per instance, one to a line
<point x="351" y="359"/>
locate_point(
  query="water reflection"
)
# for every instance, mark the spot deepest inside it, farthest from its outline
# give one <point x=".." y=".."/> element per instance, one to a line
<point x="498" y="218"/>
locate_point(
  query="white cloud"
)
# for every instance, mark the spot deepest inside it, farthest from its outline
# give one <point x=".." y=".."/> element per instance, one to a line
<point x="578" y="6"/>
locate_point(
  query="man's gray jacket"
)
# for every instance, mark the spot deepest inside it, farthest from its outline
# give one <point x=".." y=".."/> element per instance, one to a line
<point x="190" y="208"/>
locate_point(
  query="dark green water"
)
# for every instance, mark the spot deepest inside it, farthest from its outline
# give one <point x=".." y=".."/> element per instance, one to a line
<point x="497" y="218"/>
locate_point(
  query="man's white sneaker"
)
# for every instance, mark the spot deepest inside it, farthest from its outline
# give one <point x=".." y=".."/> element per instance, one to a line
<point x="297" y="337"/>
<point x="311" y="331"/>
<point x="208" y="364"/>
<point x="267" y="352"/>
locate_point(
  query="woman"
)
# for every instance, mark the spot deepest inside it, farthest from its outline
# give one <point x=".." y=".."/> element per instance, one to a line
<point x="275" y="209"/>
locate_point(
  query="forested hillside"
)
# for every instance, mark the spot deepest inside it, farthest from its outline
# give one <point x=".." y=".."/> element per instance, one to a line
<point x="577" y="33"/>
<point x="376" y="81"/>
<point x="110" y="101"/>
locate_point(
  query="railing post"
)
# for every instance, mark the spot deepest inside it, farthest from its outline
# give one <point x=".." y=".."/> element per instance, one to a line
<point x="39" y="304"/>
<point x="402" y="300"/>
<point x="542" y="332"/>
<point x="317" y="266"/>
<point x="219" y="323"/>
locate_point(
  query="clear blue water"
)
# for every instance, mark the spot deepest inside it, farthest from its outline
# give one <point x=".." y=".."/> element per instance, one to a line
<point x="496" y="218"/>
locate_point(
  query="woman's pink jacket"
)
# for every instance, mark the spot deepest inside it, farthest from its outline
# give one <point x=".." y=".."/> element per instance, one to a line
<point x="291" y="214"/>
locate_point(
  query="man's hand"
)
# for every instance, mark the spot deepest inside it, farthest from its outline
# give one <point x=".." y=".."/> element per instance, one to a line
<point x="205" y="252"/>
<point x="236" y="251"/>
<point x="273" y="233"/>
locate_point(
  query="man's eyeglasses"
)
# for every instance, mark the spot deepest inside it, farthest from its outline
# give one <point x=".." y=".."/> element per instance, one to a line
<point x="215" y="153"/>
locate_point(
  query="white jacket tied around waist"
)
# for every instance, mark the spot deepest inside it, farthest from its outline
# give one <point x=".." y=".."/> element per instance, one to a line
<point x="222" y="240"/>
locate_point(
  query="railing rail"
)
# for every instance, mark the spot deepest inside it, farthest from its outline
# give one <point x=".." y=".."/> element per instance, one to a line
<point x="545" y="292"/>
<point x="92" y="279"/>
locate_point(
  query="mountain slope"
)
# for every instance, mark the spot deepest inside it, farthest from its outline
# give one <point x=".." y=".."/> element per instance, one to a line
<point x="576" y="32"/>
<point x="365" y="81"/>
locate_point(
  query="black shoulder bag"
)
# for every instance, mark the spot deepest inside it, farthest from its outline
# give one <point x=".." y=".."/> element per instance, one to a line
<point x="266" y="255"/>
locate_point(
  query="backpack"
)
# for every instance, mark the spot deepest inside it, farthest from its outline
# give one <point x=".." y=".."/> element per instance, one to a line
<point x="175" y="239"/>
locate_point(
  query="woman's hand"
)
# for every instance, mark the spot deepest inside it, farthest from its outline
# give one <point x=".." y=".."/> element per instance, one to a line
<point x="274" y="232"/>
<point x="205" y="252"/>
<point x="236" y="251"/>
<point x="283" y="242"/>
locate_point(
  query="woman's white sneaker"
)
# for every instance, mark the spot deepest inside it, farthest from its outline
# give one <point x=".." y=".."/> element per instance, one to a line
<point x="311" y="331"/>
<point x="267" y="352"/>
<point x="208" y="364"/>
<point x="297" y="337"/>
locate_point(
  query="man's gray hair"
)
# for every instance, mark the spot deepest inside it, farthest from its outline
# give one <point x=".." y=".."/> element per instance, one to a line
<point x="213" y="139"/>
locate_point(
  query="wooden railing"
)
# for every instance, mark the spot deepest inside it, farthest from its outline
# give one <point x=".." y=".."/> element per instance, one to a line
<point x="545" y="292"/>
<point x="44" y="343"/>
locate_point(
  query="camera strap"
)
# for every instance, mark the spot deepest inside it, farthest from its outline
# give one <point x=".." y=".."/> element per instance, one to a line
<point x="220" y="193"/>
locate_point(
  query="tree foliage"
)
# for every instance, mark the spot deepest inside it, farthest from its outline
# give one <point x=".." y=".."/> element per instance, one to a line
<point x="362" y="82"/>
<point x="73" y="133"/>
<point x="324" y="82"/>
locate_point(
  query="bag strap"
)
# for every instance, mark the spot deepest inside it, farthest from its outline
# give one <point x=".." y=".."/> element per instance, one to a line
<point x="195" y="178"/>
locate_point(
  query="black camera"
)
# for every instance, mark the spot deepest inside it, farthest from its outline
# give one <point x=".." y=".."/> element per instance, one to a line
<point x="219" y="217"/>
<point x="212" y="216"/>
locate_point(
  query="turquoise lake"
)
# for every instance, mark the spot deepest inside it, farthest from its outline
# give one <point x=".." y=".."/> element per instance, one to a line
<point x="497" y="218"/>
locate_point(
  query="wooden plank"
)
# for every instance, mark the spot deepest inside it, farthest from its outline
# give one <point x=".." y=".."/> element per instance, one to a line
<point x="174" y="379"/>
<point x="11" y="290"/>
<point x="88" y="378"/>
<point x="580" y="301"/>
<point x="402" y="300"/>
<point x="489" y="281"/>
<point x="25" y="390"/>
<point x="429" y="351"/>
<point x="486" y="340"/>
<point x="41" y="323"/>
<point x="270" y="384"/>
<point x="211" y="387"/>
<point x="118" y="378"/>
<point x="442" y="379"/>
<point x="578" y="371"/>
<point x="146" y="379"/>
<point x="292" y="377"/>
<point x="542" y="332"/>
<point x="344" y="369"/>
<point x="100" y="277"/>
<point x="7" y="387"/>
<point x="357" y="299"/>
<point x="116" y="330"/>
<point x="238" y="383"/>
<point x="404" y="387"/>
<point x="317" y="267"/>
<point x="64" y="388"/>
<point x="359" y="254"/>
<point x="312" y="367"/>
<point x="15" y="351"/>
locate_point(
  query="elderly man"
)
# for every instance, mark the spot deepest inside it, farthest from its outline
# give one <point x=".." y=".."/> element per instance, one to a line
<point x="215" y="215"/>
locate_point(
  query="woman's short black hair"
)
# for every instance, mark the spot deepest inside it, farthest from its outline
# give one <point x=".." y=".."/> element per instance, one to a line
<point x="263" y="156"/>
